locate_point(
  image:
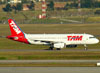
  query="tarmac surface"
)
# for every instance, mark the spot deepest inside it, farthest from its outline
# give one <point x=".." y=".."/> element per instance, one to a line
<point x="49" y="70"/>
<point x="28" y="50"/>
<point x="49" y="61"/>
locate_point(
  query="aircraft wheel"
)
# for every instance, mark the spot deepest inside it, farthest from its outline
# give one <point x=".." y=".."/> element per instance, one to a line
<point x="85" y="47"/>
<point x="58" y="49"/>
<point x="51" y="48"/>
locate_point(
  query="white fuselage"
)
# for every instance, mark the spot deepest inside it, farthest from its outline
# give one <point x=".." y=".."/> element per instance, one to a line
<point x="67" y="39"/>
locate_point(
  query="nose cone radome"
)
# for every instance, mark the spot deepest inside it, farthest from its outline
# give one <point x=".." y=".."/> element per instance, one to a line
<point x="96" y="41"/>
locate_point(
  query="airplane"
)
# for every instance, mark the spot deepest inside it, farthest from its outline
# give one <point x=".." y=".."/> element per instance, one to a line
<point x="57" y="41"/>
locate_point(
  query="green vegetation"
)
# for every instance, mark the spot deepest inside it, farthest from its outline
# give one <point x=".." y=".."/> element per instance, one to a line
<point x="7" y="8"/>
<point x="50" y="6"/>
<point x="20" y="16"/>
<point x="49" y="65"/>
<point x="54" y="28"/>
<point x="86" y="15"/>
<point x="31" y="6"/>
<point x="52" y="17"/>
<point x="19" y="7"/>
<point x="50" y="55"/>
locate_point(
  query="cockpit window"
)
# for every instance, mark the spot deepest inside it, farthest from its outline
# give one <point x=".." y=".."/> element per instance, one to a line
<point x="91" y="37"/>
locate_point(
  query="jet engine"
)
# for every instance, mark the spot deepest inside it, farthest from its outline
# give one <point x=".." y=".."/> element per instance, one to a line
<point x="71" y="46"/>
<point x="59" y="45"/>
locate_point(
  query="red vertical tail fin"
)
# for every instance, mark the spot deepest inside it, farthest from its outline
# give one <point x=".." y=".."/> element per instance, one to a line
<point x="14" y="28"/>
<point x="16" y="33"/>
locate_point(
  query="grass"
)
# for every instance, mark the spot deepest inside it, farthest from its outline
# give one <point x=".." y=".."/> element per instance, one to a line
<point x="87" y="15"/>
<point x="49" y="65"/>
<point x="47" y="21"/>
<point x="93" y="19"/>
<point x="19" y="15"/>
<point x="54" y="28"/>
<point x="50" y="55"/>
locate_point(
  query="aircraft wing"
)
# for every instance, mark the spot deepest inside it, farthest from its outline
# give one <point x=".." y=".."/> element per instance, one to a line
<point x="52" y="41"/>
<point x="48" y="40"/>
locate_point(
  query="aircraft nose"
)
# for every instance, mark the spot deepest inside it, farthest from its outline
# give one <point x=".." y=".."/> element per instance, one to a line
<point x="96" y="40"/>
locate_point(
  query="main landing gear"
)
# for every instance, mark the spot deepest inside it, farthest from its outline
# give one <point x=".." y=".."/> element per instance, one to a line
<point x="58" y="48"/>
<point x="52" y="47"/>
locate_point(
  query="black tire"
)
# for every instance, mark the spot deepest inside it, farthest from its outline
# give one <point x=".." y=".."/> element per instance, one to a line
<point x="51" y="48"/>
<point x="58" y="48"/>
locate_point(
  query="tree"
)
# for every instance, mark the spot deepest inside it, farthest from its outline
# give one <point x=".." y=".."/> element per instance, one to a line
<point x="19" y="6"/>
<point x="66" y="6"/>
<point x="97" y="4"/>
<point x="0" y="2"/>
<point x="14" y="7"/>
<point x="74" y="4"/>
<point x="31" y="6"/>
<point x="50" y="6"/>
<point x="25" y="1"/>
<point x="87" y="3"/>
<point x="8" y="8"/>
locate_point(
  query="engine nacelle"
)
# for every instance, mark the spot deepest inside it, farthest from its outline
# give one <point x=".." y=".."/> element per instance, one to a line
<point x="71" y="46"/>
<point x="59" y="45"/>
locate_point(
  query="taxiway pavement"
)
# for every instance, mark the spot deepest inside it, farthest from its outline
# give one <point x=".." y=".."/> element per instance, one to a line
<point x="49" y="61"/>
<point x="28" y="50"/>
<point x="49" y="70"/>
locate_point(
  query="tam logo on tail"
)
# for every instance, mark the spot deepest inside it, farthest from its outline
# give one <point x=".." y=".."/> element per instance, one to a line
<point x="15" y="30"/>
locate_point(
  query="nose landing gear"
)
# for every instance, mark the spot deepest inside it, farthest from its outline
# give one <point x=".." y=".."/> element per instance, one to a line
<point x="85" y="47"/>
